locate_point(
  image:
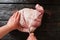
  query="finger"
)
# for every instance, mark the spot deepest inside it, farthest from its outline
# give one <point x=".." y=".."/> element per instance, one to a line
<point x="14" y="11"/>
<point x="39" y="8"/>
<point x="31" y="34"/>
<point x="18" y="16"/>
<point x="31" y="37"/>
<point x="15" y="15"/>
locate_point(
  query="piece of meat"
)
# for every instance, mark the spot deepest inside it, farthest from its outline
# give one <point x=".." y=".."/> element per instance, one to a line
<point x="29" y="19"/>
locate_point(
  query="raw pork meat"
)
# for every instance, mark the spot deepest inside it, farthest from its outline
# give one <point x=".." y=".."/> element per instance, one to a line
<point x="29" y="19"/>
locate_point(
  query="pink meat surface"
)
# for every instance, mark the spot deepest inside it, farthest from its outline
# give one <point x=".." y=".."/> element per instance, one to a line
<point x="30" y="19"/>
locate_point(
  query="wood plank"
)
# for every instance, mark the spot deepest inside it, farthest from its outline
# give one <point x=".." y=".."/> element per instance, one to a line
<point x="19" y="1"/>
<point x="50" y="28"/>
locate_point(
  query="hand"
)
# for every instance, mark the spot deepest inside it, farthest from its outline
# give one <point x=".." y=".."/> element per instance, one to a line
<point x="13" y="22"/>
<point x="31" y="37"/>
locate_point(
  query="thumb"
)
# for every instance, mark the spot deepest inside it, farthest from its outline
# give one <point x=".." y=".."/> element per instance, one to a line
<point x="31" y="37"/>
<point x="31" y="34"/>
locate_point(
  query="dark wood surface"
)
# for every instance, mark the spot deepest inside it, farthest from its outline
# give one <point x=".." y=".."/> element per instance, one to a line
<point x="50" y="28"/>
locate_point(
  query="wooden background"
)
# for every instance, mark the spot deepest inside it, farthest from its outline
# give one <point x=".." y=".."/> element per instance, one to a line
<point x="50" y="28"/>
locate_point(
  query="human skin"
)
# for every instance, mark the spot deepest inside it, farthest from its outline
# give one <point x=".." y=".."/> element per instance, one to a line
<point x="12" y="24"/>
<point x="31" y="37"/>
